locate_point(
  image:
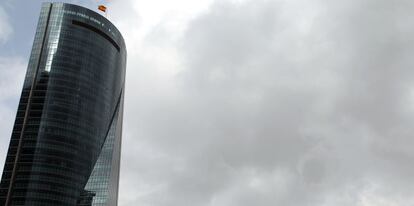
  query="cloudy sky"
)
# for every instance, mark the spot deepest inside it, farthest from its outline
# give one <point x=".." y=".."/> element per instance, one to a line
<point x="252" y="102"/>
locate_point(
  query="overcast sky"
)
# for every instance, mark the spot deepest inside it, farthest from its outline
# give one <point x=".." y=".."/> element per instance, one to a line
<point x="252" y="102"/>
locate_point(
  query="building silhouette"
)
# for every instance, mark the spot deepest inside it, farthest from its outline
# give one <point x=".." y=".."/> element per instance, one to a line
<point x="66" y="140"/>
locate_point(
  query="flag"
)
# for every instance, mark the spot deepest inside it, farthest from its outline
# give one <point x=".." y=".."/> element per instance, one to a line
<point x="102" y="8"/>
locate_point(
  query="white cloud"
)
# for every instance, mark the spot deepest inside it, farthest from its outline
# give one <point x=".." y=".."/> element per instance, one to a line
<point x="263" y="102"/>
<point x="5" y="28"/>
<point x="267" y="102"/>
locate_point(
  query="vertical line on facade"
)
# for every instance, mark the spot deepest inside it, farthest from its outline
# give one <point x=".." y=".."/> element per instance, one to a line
<point x="9" y="192"/>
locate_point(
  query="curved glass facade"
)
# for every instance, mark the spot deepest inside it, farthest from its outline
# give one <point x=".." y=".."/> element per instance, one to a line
<point x="66" y="141"/>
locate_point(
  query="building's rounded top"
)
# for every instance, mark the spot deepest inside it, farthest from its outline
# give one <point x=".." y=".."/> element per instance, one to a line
<point x="93" y="18"/>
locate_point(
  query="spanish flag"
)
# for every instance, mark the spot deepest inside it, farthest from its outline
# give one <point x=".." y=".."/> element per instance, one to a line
<point x="102" y="8"/>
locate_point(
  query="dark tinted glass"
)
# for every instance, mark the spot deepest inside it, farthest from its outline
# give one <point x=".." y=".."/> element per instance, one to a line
<point x="65" y="144"/>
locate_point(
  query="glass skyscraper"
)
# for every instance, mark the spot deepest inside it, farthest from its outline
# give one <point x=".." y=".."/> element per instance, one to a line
<point x="66" y="140"/>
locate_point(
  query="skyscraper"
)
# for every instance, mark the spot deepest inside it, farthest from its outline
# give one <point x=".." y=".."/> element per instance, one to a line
<point x="66" y="140"/>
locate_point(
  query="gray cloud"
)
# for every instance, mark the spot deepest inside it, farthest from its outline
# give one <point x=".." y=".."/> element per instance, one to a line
<point x="277" y="102"/>
<point x="5" y="28"/>
<point x="265" y="103"/>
